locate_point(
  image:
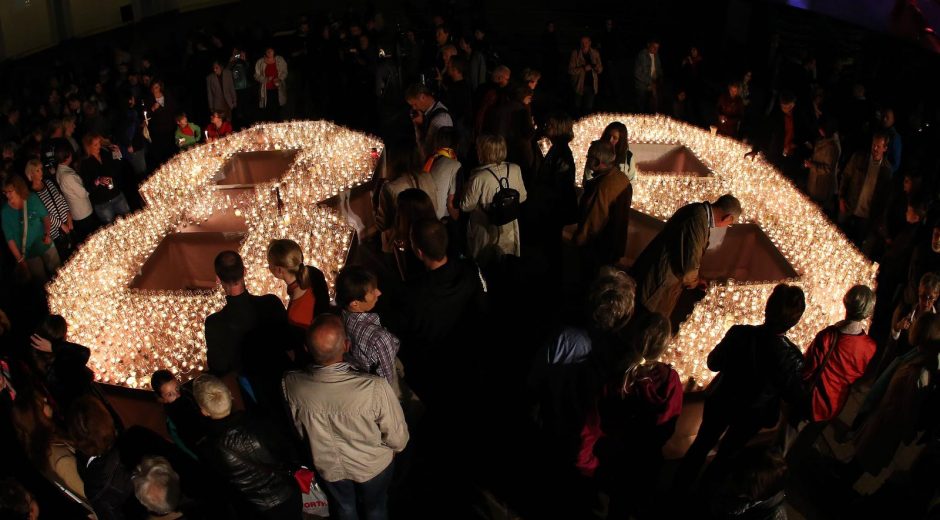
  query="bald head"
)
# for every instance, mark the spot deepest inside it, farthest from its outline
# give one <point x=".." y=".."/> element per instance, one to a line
<point x="326" y="340"/>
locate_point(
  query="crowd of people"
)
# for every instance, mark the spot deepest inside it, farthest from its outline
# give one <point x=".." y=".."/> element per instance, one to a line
<point x="491" y="329"/>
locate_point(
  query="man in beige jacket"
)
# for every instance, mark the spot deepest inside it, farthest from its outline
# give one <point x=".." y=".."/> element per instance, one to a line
<point x="351" y="419"/>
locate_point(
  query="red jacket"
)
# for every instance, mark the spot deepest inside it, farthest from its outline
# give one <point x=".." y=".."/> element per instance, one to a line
<point x="845" y="365"/>
<point x="216" y="133"/>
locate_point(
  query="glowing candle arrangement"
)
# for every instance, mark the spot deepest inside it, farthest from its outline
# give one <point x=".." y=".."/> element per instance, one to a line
<point x="133" y="332"/>
<point x="826" y="262"/>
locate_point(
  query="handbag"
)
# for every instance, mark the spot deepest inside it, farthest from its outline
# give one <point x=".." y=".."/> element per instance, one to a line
<point x="822" y="366"/>
<point x="807" y="408"/>
<point x="314" y="499"/>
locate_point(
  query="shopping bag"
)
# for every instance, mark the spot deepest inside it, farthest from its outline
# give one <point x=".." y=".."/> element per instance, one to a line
<point x="314" y="498"/>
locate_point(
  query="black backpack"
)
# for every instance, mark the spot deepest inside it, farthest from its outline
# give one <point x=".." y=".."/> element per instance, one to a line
<point x="505" y="205"/>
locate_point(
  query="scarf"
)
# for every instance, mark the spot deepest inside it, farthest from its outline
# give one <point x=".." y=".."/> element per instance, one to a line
<point x="443" y="152"/>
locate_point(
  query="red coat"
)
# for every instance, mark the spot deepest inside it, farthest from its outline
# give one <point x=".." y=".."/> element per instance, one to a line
<point x="846" y="364"/>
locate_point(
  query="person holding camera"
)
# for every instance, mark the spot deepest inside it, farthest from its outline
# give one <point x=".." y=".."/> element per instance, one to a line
<point x="428" y="115"/>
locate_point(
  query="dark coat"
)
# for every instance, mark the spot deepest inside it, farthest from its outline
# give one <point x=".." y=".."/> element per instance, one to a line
<point x="771" y="136"/>
<point x="924" y="260"/>
<point x="69" y="376"/>
<point x="604" y="217"/>
<point x="221" y="94"/>
<point x="108" y="486"/>
<point x="436" y="322"/>
<point x="853" y="180"/>
<point x="238" y="335"/>
<point x="439" y="303"/>
<point x="552" y="200"/>
<point x="185" y="420"/>
<point x="672" y="258"/>
<point x="90" y="170"/>
<point x="757" y="369"/>
<point x="252" y="457"/>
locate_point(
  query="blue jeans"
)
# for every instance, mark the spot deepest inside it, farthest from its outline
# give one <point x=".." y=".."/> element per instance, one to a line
<point x="360" y="500"/>
<point x="106" y="211"/>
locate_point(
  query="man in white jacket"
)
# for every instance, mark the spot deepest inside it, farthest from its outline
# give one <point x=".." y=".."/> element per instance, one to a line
<point x="352" y="420"/>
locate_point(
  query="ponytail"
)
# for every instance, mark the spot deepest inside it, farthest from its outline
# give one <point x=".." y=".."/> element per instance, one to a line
<point x="303" y="276"/>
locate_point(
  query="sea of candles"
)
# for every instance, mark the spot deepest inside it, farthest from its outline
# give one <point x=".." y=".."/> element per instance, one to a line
<point x="133" y="332"/>
<point x="826" y="262"/>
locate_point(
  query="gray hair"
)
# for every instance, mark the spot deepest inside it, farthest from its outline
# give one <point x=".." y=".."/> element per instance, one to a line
<point x="501" y="70"/>
<point x="601" y="153"/>
<point x="859" y="303"/>
<point x="156" y="485"/>
<point x="729" y="204"/>
<point x="611" y="299"/>
<point x="212" y="396"/>
<point x="930" y="281"/>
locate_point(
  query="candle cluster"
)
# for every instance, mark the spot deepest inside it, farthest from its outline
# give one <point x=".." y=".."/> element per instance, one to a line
<point x="133" y="332"/>
<point x="826" y="262"/>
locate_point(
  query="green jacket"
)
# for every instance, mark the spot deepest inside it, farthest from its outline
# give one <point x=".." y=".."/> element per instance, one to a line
<point x="184" y="141"/>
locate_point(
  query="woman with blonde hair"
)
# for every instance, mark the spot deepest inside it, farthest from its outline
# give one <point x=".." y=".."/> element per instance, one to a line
<point x="60" y="215"/>
<point x="487" y="240"/>
<point x="306" y="285"/>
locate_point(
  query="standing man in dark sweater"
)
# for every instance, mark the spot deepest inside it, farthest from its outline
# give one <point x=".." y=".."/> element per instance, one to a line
<point x="440" y="311"/>
<point x="248" y="337"/>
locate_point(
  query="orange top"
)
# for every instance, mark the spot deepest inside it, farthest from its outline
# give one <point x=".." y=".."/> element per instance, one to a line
<point x="300" y="310"/>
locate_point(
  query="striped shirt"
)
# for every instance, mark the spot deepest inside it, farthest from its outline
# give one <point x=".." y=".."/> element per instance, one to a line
<point x="373" y="348"/>
<point x="56" y="205"/>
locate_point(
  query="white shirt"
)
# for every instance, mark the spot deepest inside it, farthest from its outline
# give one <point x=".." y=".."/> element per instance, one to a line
<point x="74" y="191"/>
<point x="652" y="66"/>
<point x="444" y="172"/>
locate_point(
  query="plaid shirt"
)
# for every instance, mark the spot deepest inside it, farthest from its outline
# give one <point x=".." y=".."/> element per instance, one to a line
<point x="373" y="347"/>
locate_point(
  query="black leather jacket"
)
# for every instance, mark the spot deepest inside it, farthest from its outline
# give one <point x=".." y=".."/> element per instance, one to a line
<point x="250" y="456"/>
<point x="757" y="370"/>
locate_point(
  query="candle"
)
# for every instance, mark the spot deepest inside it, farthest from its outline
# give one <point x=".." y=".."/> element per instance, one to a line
<point x="169" y="325"/>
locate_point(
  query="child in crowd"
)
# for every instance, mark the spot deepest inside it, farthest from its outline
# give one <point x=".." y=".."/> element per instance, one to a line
<point x="184" y="422"/>
<point x="373" y="348"/>
<point x="187" y="134"/>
